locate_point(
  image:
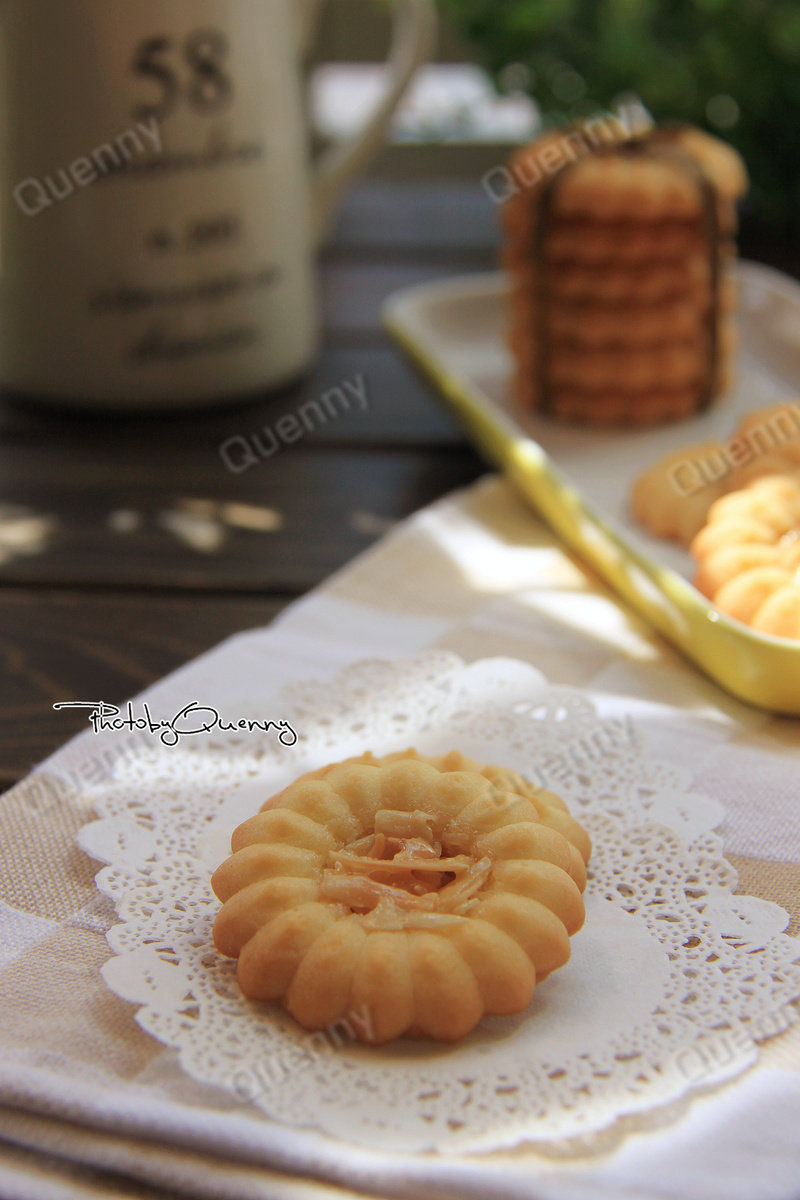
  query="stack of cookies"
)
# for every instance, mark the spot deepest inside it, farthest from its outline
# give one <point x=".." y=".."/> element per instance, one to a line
<point x="619" y="251"/>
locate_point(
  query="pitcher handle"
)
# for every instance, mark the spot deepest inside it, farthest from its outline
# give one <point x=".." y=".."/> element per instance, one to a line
<point x="413" y="43"/>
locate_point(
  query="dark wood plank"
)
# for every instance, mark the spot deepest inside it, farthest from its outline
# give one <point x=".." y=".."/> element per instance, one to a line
<point x="401" y="412"/>
<point x="354" y="294"/>
<point x="176" y="518"/>
<point x="455" y="219"/>
<point x="74" y="646"/>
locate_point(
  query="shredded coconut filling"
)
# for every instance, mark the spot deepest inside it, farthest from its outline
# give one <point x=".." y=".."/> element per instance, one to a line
<point x="398" y="877"/>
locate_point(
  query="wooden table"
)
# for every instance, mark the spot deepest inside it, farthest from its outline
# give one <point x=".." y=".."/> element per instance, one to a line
<point x="138" y="549"/>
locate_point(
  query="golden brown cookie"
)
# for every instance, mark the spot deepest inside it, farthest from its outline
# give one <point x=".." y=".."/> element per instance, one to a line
<point x="604" y="325"/>
<point x="620" y="242"/>
<point x="610" y="408"/>
<point x="649" y="173"/>
<point x="623" y="225"/>
<point x="672" y="498"/>
<point x="666" y="365"/>
<point x="650" y="179"/>
<point x="647" y="283"/>
<point x="414" y="894"/>
<point x="630" y="242"/>
<point x="748" y="555"/>
<point x="767" y="442"/>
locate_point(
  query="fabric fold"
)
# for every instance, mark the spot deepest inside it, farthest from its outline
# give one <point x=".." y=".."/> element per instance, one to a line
<point x="476" y="574"/>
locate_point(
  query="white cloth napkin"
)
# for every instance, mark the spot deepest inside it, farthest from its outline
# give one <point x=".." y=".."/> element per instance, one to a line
<point x="476" y="574"/>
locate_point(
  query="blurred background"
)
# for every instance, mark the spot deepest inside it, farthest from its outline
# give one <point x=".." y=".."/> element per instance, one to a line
<point x="124" y="552"/>
<point x="508" y="68"/>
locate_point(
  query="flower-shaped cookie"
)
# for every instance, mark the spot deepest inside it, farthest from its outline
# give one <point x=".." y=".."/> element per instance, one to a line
<point x="420" y="893"/>
<point x="673" y="498"/>
<point x="749" y="555"/>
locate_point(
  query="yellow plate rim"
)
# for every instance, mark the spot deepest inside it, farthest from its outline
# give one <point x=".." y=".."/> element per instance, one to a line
<point x="759" y="669"/>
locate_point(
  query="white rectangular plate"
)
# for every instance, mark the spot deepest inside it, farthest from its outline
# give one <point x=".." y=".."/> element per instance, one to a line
<point x="580" y="478"/>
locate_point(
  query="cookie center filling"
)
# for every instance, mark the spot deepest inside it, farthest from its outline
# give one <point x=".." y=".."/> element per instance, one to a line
<point x="399" y="872"/>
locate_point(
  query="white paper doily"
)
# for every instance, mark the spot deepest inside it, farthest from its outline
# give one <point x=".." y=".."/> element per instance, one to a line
<point x="672" y="981"/>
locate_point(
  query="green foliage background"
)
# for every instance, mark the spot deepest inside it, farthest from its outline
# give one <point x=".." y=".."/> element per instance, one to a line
<point x="676" y="55"/>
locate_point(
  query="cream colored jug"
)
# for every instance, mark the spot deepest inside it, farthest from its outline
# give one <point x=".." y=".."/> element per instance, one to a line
<point x="160" y="211"/>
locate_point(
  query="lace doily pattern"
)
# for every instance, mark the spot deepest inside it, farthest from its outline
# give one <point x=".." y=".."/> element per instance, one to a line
<point x="673" y="981"/>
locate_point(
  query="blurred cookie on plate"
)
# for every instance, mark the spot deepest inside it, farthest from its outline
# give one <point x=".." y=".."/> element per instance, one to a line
<point x="619" y="252"/>
<point x="672" y="498"/>
<point x="748" y="555"/>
